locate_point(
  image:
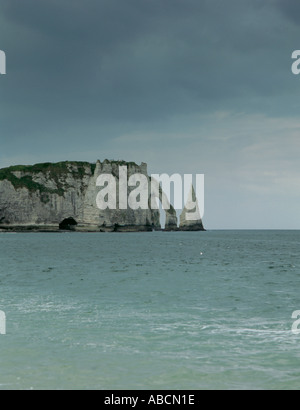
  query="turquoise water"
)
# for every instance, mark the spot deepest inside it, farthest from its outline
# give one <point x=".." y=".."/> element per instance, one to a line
<point x="198" y="310"/>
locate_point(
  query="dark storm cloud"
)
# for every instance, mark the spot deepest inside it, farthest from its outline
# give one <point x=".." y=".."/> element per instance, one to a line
<point x="137" y="61"/>
<point x="290" y="8"/>
<point x="105" y="58"/>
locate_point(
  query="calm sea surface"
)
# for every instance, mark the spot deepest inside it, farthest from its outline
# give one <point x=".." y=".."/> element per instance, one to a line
<point x="199" y="310"/>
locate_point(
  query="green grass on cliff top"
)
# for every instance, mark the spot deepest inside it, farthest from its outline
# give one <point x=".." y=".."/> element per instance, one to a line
<point x="60" y="167"/>
<point x="54" y="171"/>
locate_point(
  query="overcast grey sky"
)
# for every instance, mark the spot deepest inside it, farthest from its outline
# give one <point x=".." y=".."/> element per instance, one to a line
<point x="188" y="86"/>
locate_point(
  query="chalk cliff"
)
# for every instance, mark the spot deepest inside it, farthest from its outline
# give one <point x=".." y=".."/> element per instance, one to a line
<point x="49" y="197"/>
<point x="43" y="196"/>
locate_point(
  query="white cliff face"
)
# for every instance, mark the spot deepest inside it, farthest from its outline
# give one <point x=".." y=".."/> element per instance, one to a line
<point x="118" y="218"/>
<point x="36" y="198"/>
<point x="45" y="195"/>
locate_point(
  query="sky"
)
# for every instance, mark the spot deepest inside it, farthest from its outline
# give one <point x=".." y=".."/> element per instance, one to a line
<point x="188" y="86"/>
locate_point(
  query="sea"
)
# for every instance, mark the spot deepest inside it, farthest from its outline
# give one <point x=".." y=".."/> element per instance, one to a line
<point x="150" y="311"/>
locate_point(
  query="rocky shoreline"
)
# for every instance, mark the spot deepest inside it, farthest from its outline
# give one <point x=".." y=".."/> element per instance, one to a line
<point x="120" y="229"/>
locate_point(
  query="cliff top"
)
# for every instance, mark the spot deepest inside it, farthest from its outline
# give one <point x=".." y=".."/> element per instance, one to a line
<point x="43" y="167"/>
<point x="59" y="166"/>
<point x="54" y="171"/>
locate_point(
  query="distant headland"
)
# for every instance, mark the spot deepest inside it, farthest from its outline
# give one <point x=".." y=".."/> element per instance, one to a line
<point x="54" y="197"/>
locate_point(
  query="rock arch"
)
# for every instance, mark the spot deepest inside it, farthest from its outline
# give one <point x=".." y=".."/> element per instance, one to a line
<point x="68" y="224"/>
<point x="170" y="213"/>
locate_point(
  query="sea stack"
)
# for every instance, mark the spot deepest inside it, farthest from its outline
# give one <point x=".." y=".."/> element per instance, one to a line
<point x="190" y="218"/>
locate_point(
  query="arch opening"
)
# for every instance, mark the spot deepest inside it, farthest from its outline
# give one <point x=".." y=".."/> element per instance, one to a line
<point x="68" y="224"/>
